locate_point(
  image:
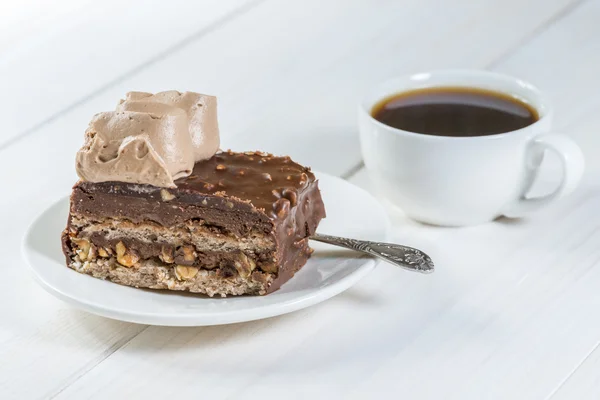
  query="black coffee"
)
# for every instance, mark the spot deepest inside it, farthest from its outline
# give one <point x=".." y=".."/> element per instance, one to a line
<point x="454" y="111"/>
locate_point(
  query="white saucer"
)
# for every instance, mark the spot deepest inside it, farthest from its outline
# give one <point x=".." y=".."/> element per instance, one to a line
<point x="351" y="212"/>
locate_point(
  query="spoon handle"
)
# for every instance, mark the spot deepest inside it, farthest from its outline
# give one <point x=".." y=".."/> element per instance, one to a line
<point x="402" y="256"/>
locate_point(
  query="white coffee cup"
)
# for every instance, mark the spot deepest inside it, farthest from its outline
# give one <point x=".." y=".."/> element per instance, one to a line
<point x="456" y="181"/>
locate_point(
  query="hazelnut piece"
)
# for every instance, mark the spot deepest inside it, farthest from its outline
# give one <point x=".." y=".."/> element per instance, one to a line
<point x="126" y="258"/>
<point x="184" y="272"/>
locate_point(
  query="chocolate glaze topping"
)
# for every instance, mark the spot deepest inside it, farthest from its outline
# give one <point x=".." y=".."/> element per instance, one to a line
<point x="262" y="179"/>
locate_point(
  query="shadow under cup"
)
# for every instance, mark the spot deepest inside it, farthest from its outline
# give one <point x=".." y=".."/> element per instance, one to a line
<point x="455" y="181"/>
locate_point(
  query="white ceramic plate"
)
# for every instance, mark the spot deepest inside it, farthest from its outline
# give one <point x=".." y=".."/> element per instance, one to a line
<point x="351" y="212"/>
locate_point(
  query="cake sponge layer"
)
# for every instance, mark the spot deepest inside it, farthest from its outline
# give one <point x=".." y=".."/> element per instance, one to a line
<point x="153" y="274"/>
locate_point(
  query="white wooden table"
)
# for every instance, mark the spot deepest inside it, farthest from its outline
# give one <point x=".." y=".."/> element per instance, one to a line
<point x="512" y="310"/>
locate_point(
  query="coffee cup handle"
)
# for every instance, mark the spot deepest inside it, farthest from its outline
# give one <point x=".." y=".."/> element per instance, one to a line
<point x="573" y="164"/>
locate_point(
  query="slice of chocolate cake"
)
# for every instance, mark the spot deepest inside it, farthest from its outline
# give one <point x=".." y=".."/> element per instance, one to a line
<point x="238" y="224"/>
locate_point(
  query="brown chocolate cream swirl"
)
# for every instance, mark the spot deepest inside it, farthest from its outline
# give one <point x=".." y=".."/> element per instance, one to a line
<point x="150" y="138"/>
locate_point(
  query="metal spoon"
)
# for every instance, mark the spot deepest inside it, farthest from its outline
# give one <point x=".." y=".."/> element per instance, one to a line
<point x="402" y="256"/>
